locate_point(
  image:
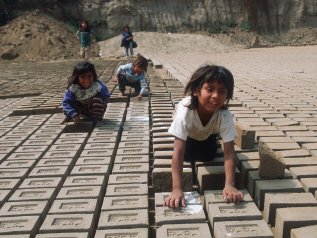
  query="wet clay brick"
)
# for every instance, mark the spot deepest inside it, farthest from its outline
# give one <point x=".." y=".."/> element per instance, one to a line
<point x="128" y="178"/>
<point x="199" y="230"/>
<point x="125" y="203"/>
<point x="116" y="233"/>
<point x="72" y="206"/>
<point x="19" y="225"/>
<point x="304" y="232"/>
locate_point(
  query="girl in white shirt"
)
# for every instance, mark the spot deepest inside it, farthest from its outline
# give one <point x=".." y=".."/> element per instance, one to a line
<point x="197" y="120"/>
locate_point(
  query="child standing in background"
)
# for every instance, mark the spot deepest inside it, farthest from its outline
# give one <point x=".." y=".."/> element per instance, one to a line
<point x="132" y="75"/>
<point x="126" y="41"/>
<point x="85" y="95"/>
<point x="84" y="36"/>
<point x="197" y="120"/>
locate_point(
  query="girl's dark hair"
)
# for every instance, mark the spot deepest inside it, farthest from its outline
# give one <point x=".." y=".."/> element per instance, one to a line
<point x="207" y="74"/>
<point x="141" y="62"/>
<point x="126" y="27"/>
<point x="81" y="68"/>
<point x="87" y="29"/>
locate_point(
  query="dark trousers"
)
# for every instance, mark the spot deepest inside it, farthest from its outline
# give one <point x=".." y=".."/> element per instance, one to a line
<point x="203" y="151"/>
<point x="122" y="80"/>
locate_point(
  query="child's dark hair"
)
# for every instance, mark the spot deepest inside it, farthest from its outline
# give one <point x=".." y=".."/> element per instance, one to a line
<point x="207" y="74"/>
<point x="140" y="61"/>
<point x="87" y="29"/>
<point x="126" y="27"/>
<point x="81" y="68"/>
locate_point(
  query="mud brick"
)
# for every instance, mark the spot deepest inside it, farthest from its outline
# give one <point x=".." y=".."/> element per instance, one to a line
<point x="84" y="181"/>
<point x="64" y="235"/>
<point x="125" y="203"/>
<point x="135" y="233"/>
<point x="309" y="184"/>
<point x="33" y="194"/>
<point x="161" y="135"/>
<point x="90" y="170"/>
<point x="246" y="156"/>
<point x="83" y="126"/>
<point x="167" y="163"/>
<point x="97" y="153"/>
<point x="13" y="164"/>
<point x="163" y="154"/>
<point x="136" y="133"/>
<point x="68" y="223"/>
<point x="4" y="194"/>
<point x="19" y="225"/>
<point x="275" y="186"/>
<point x="245" y="136"/>
<point x="181" y="215"/>
<point x="283" y="146"/>
<point x="191" y="198"/>
<point x="271" y="162"/>
<point x="233" y="212"/>
<point x="13" y="173"/>
<point x="25" y="155"/>
<point x="282" y="139"/>
<point x="304" y="171"/>
<point x="73" y="135"/>
<point x="133" y="144"/>
<point x="123" y="219"/>
<point x="93" y="160"/>
<point x="135" y="138"/>
<point x="134" y="178"/>
<point x="247" y="166"/>
<point x="93" y="140"/>
<point x="10" y="143"/>
<point x="126" y="190"/>
<point x="293" y="128"/>
<point x="73" y="206"/>
<point x="14" y="138"/>
<point x="162" y="147"/>
<point x="16" y="236"/>
<point x="33" y="148"/>
<point x="216" y="196"/>
<point x="9" y="183"/>
<point x="213" y="177"/>
<point x="6" y="149"/>
<point x="242" y="229"/>
<point x="38" y="142"/>
<point x="100" y="146"/>
<point x="309" y="146"/>
<point x="123" y="159"/>
<point x="2" y="157"/>
<point x="67" y="147"/>
<point x="133" y="151"/>
<point x="60" y="154"/>
<point x="24" y="208"/>
<point x="42" y="136"/>
<point x="304" y="232"/>
<point x="55" y="162"/>
<point x="293" y="217"/>
<point x="301" y="134"/>
<point x="164" y="140"/>
<point x="254" y="176"/>
<point x="130" y="168"/>
<point x="198" y="230"/>
<point x="294" y="153"/>
<point x="104" y="133"/>
<point x="162" y="179"/>
<point x="300" y="161"/>
<point x="79" y="192"/>
<point x="47" y="182"/>
<point x="273" y="201"/>
<point x="53" y="171"/>
<point x="260" y="134"/>
<point x="63" y="141"/>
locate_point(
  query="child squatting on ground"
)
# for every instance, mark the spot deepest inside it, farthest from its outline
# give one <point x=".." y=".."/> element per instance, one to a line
<point x="85" y="94"/>
<point x="197" y="120"/>
<point x="132" y="75"/>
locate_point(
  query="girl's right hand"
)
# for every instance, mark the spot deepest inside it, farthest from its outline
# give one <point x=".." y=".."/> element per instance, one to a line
<point x="175" y="199"/>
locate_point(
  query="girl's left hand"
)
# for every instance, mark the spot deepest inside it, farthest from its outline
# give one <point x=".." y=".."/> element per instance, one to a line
<point x="231" y="194"/>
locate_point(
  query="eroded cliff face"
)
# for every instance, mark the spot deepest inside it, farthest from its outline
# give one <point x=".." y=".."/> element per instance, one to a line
<point x="107" y="17"/>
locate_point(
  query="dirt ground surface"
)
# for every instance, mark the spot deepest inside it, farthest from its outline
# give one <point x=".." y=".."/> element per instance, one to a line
<point x="37" y="37"/>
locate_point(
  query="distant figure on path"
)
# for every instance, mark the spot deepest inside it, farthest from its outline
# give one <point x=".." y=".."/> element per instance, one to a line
<point x="84" y="35"/>
<point x="197" y="120"/>
<point x="132" y="75"/>
<point x="127" y="41"/>
<point x="85" y="94"/>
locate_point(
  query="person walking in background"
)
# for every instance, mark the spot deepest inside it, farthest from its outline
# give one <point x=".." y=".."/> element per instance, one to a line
<point x="197" y="120"/>
<point x="132" y="75"/>
<point x="84" y="35"/>
<point x="85" y="94"/>
<point x="127" y="41"/>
